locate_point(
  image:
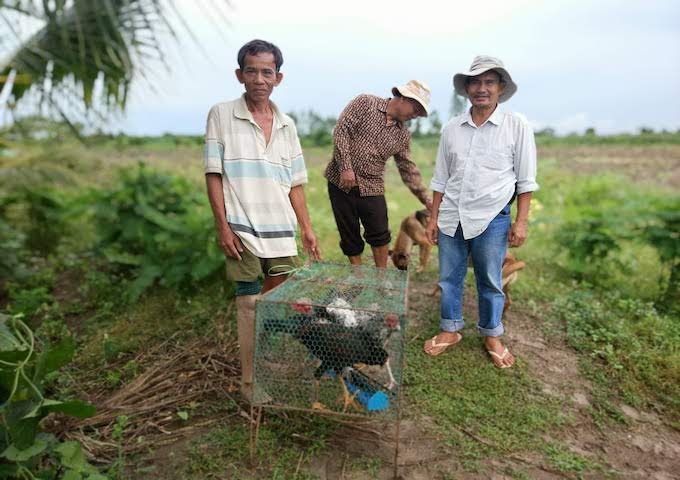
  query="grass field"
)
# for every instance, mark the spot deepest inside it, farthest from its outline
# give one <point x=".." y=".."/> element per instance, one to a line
<point x="595" y="393"/>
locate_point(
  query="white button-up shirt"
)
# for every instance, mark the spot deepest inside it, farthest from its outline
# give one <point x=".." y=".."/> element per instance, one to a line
<point x="480" y="168"/>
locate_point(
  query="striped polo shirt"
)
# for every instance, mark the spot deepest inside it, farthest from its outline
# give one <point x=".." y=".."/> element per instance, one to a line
<point x="256" y="176"/>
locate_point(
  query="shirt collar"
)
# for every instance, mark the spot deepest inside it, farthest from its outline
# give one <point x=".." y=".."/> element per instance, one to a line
<point x="381" y="106"/>
<point x="496" y="117"/>
<point x="241" y="111"/>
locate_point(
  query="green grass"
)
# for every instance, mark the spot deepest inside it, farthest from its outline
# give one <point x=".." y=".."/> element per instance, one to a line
<point x="284" y="448"/>
<point x="469" y="399"/>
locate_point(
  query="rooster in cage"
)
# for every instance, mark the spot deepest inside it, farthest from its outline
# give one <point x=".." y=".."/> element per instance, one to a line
<point x="338" y="342"/>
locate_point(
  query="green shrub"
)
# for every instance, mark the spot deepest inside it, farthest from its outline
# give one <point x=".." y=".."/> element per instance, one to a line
<point x="157" y="228"/>
<point x="606" y="215"/>
<point x="661" y="229"/>
<point x="13" y="258"/>
<point x="25" y="449"/>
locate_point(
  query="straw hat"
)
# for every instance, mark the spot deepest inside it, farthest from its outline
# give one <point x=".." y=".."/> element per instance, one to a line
<point x="416" y="90"/>
<point x="481" y="64"/>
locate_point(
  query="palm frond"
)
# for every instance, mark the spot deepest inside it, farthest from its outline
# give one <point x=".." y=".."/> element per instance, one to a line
<point x="93" y="48"/>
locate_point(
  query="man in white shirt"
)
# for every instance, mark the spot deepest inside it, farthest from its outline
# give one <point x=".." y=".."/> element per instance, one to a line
<point x="255" y="174"/>
<point x="486" y="159"/>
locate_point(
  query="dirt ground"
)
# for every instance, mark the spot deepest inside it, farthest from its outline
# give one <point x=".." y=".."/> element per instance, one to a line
<point x="657" y="165"/>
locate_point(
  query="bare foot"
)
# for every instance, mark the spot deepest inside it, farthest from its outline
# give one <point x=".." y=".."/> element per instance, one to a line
<point x="500" y="356"/>
<point x="440" y="342"/>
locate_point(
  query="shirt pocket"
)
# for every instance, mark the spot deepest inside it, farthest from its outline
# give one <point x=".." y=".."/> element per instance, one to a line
<point x="497" y="158"/>
<point x="284" y="170"/>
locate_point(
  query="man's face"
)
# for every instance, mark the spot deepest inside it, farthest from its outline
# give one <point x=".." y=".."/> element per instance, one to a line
<point x="259" y="76"/>
<point x="484" y="89"/>
<point x="408" y="109"/>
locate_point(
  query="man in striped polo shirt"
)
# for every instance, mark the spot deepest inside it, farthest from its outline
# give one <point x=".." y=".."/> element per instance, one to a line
<point x="255" y="174"/>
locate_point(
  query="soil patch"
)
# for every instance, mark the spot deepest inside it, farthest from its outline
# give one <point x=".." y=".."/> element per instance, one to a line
<point x="654" y="164"/>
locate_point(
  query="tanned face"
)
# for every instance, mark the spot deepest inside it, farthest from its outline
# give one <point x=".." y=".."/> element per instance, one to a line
<point x="485" y="89"/>
<point x="408" y="109"/>
<point x="259" y="76"/>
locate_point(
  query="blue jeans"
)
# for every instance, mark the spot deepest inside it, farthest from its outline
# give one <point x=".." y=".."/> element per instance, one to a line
<point x="488" y="252"/>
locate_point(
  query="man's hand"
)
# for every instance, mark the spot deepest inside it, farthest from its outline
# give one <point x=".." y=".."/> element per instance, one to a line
<point x="230" y="243"/>
<point x="310" y="244"/>
<point x="432" y="232"/>
<point x="428" y="204"/>
<point x="518" y="233"/>
<point x="347" y="179"/>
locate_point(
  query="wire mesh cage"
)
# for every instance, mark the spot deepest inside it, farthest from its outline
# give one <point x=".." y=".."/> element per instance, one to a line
<point x="331" y="338"/>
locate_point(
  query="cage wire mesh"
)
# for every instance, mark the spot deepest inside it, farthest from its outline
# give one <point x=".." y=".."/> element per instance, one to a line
<point x="331" y="338"/>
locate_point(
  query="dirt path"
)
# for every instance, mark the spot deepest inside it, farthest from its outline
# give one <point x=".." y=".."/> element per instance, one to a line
<point x="643" y="449"/>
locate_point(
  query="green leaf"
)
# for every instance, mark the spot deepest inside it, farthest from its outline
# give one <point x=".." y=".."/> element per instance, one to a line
<point x="147" y="276"/>
<point x="72" y="456"/>
<point x="8" y="471"/>
<point x="183" y="415"/>
<point x="97" y="476"/>
<point x="54" y="357"/>
<point x="23" y="432"/>
<point x="114" y="256"/>
<point x="160" y="219"/>
<point x="13" y="454"/>
<point x="72" y="475"/>
<point x="75" y="408"/>
<point x="8" y="341"/>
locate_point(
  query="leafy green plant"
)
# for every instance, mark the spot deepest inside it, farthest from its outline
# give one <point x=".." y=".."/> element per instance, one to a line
<point x="593" y="228"/>
<point x="661" y="229"/>
<point x="46" y="212"/>
<point x="117" y="466"/>
<point x="606" y="214"/>
<point x="26" y="451"/>
<point x="13" y="258"/>
<point x="156" y="227"/>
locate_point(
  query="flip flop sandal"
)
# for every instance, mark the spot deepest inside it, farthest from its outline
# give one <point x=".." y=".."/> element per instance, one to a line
<point x="433" y="343"/>
<point x="500" y="357"/>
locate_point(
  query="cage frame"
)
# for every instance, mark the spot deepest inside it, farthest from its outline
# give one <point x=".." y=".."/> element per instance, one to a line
<point x="256" y="409"/>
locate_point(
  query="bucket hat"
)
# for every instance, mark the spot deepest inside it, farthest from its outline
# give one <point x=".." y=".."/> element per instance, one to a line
<point x="416" y="90"/>
<point x="480" y="65"/>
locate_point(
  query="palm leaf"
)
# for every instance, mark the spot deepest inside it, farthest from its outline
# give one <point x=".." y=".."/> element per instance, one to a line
<point x="76" y="56"/>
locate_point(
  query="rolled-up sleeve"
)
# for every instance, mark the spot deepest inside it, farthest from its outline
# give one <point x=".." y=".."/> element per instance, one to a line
<point x="213" y="150"/>
<point x="525" y="159"/>
<point x="409" y="172"/>
<point x="442" y="166"/>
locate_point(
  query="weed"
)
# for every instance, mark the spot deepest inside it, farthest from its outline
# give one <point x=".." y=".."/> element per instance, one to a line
<point x="567" y="461"/>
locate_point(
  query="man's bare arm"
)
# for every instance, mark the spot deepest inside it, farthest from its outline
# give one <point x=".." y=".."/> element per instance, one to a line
<point x="229" y="241"/>
<point x="299" y="204"/>
<point x="432" y="230"/>
<point x="518" y="231"/>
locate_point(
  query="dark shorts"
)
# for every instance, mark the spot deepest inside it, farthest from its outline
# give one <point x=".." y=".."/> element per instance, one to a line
<point x="349" y="209"/>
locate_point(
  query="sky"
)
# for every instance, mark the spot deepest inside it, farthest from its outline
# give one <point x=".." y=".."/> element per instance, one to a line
<point x="613" y="65"/>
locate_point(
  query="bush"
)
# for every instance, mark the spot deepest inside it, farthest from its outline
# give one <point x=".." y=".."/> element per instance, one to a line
<point x="157" y="228"/>
<point x="606" y="215"/>
<point x="25" y="448"/>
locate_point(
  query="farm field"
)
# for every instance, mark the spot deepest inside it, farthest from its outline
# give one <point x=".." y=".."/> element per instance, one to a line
<point x="127" y="267"/>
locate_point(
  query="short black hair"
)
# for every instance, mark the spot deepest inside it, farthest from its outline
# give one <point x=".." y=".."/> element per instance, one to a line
<point x="256" y="46"/>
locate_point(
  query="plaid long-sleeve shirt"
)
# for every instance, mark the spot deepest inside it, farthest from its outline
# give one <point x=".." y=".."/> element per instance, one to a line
<point x="363" y="141"/>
